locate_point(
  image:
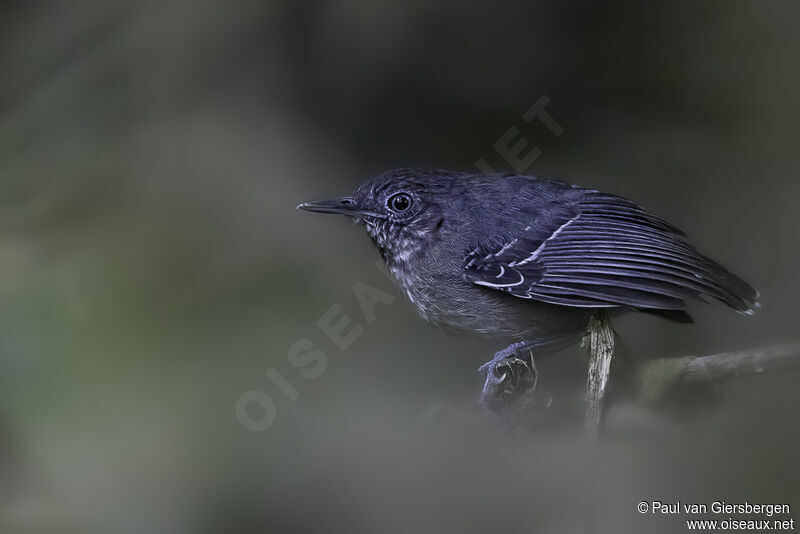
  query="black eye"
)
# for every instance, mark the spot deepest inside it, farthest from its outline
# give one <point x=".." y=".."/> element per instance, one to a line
<point x="399" y="202"/>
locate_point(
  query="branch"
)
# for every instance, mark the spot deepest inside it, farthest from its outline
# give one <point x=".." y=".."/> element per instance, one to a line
<point x="516" y="398"/>
<point x="656" y="377"/>
<point x="601" y="350"/>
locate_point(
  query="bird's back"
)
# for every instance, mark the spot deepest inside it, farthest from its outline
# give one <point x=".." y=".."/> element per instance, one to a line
<point x="519" y="256"/>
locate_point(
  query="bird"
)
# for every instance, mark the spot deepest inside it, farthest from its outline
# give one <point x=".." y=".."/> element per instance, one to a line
<point x="529" y="260"/>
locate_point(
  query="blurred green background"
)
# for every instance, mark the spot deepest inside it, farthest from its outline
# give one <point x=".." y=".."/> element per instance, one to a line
<point x="153" y="267"/>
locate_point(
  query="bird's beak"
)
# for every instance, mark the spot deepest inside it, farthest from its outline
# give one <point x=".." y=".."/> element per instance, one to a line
<point x="344" y="206"/>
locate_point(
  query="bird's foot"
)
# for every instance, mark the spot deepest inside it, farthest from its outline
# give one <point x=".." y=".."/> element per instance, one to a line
<point x="510" y="379"/>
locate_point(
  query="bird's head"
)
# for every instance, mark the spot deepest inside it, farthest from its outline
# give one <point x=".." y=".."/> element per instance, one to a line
<point x="402" y="210"/>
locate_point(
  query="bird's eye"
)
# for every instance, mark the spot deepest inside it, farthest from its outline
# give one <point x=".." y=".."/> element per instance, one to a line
<point x="399" y="202"/>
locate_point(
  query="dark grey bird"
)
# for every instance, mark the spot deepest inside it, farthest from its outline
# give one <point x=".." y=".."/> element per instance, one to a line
<point x="528" y="259"/>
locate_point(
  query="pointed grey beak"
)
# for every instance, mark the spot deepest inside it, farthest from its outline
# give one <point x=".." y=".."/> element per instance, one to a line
<point x="344" y="206"/>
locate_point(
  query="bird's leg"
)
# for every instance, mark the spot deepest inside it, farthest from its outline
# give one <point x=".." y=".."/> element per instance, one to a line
<point x="510" y="379"/>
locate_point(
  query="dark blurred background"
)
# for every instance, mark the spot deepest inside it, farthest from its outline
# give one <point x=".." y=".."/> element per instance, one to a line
<point x="153" y="267"/>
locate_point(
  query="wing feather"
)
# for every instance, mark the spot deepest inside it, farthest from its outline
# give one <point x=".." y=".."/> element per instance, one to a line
<point x="605" y="251"/>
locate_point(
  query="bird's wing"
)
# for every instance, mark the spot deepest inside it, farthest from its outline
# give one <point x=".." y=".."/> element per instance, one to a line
<point x="604" y="251"/>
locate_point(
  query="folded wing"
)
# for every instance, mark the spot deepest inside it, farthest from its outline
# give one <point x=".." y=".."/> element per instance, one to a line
<point x="604" y="251"/>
